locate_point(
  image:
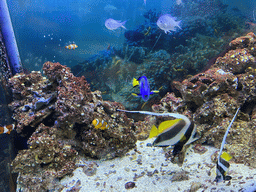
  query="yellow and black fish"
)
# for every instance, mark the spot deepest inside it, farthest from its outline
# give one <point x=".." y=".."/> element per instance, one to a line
<point x="178" y="132"/>
<point x="7" y="129"/>
<point x="222" y="168"/>
<point x="223" y="158"/>
<point x="100" y="124"/>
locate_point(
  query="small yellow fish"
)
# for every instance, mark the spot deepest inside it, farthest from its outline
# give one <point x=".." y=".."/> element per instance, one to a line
<point x="149" y="28"/>
<point x="100" y="124"/>
<point x="7" y="129"/>
<point x="71" y="46"/>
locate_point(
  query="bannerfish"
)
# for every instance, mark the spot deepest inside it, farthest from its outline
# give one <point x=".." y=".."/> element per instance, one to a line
<point x="100" y="124"/>
<point x="71" y="46"/>
<point x="143" y="83"/>
<point x="178" y="132"/>
<point x="112" y="24"/>
<point x="7" y="129"/>
<point x="222" y="168"/>
<point x="223" y="158"/>
<point x="168" y="23"/>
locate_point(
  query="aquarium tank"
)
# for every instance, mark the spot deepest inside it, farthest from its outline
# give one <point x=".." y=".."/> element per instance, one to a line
<point x="127" y="95"/>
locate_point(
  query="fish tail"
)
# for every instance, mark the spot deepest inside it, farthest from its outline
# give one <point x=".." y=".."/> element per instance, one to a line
<point x="178" y="24"/>
<point x="135" y="94"/>
<point x="155" y="91"/>
<point x="123" y="23"/>
<point x="135" y="82"/>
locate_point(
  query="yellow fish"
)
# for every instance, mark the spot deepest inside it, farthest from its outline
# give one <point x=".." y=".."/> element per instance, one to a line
<point x="71" y="46"/>
<point x="149" y="28"/>
<point x="7" y="129"/>
<point x="100" y="124"/>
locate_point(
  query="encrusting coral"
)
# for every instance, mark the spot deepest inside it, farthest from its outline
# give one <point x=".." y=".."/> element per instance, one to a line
<point x="212" y="97"/>
<point x="57" y="113"/>
<point x="58" y="110"/>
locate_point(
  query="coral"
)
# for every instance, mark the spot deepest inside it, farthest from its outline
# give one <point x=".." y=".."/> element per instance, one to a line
<point x="193" y="57"/>
<point x="247" y="42"/>
<point x="73" y="95"/>
<point x="33" y="99"/>
<point x="170" y="103"/>
<point x="204" y="86"/>
<point x="112" y="142"/>
<point x="58" y="110"/>
<point x="236" y="61"/>
<point x="47" y="158"/>
<point x="213" y="96"/>
<point x="143" y="127"/>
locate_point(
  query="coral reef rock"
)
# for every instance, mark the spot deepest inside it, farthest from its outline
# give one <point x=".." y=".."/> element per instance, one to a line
<point x="56" y="113"/>
<point x="211" y="99"/>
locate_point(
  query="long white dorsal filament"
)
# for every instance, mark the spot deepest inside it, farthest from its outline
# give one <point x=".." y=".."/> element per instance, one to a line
<point x="175" y="115"/>
<point x="226" y="134"/>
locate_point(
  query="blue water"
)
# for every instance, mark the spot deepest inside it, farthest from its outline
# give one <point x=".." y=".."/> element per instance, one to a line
<point x="68" y="21"/>
<point x="44" y="27"/>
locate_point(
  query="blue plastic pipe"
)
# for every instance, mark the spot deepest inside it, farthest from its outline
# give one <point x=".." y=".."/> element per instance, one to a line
<point x="9" y="39"/>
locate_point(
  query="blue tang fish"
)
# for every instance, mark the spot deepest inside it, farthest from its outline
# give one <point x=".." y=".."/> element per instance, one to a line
<point x="144" y="88"/>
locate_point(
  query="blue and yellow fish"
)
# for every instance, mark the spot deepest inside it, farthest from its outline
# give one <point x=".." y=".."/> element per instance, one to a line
<point x="144" y="88"/>
<point x="100" y="124"/>
<point x="7" y="129"/>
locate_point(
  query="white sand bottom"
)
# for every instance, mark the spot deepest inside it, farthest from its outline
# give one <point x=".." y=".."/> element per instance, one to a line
<point x="154" y="173"/>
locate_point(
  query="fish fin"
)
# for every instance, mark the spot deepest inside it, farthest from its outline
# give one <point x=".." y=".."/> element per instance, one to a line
<point x="153" y="132"/>
<point x="183" y="138"/>
<point x="194" y="136"/>
<point x="123" y="23"/>
<point x="178" y="24"/>
<point x="134" y="94"/>
<point x="167" y="125"/>
<point x="135" y="82"/>
<point x="226" y="156"/>
<point x="155" y="91"/>
<point x="191" y="140"/>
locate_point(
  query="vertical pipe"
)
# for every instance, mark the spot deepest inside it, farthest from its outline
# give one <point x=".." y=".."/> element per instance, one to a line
<point x="9" y="38"/>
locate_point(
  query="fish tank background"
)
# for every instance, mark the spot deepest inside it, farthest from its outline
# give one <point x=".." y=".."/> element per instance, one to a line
<point x="110" y="59"/>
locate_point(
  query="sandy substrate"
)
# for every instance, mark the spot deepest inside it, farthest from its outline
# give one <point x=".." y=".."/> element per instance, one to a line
<point x="150" y="171"/>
